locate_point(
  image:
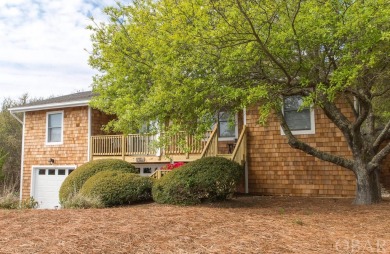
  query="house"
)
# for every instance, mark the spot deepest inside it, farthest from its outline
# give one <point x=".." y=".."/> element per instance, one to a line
<point x="60" y="134"/>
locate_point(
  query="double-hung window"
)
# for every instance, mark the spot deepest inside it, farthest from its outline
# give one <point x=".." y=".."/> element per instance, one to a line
<point x="54" y="131"/>
<point x="299" y="119"/>
<point x="227" y="130"/>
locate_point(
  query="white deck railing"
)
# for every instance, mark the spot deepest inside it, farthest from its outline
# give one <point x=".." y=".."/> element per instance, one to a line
<point x="146" y="144"/>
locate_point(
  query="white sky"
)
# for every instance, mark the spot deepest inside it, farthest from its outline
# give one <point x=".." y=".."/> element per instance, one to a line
<point x="43" y="46"/>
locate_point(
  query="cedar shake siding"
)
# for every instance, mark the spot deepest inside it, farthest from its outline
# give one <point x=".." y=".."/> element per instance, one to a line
<point x="99" y="120"/>
<point x="274" y="167"/>
<point x="73" y="151"/>
<point x="277" y="169"/>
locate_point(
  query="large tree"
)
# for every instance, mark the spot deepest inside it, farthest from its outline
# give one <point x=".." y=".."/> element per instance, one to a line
<point x="10" y="144"/>
<point x="183" y="60"/>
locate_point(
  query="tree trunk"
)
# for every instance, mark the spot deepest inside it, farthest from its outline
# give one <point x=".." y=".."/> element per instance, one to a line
<point x="368" y="189"/>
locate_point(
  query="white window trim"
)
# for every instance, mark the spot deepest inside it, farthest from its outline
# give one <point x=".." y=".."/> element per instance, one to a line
<point x="235" y="131"/>
<point x="34" y="168"/>
<point x="47" y="128"/>
<point x="303" y="132"/>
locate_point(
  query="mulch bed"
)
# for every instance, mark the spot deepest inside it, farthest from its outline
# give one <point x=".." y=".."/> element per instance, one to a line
<point x="248" y="224"/>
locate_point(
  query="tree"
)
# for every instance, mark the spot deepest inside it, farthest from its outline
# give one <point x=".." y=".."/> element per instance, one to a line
<point x="3" y="156"/>
<point x="183" y="60"/>
<point x="10" y="144"/>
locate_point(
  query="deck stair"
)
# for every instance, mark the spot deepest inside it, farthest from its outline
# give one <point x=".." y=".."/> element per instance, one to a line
<point x="211" y="149"/>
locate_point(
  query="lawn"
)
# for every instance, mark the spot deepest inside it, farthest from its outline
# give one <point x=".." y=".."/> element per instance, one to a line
<point x="248" y="224"/>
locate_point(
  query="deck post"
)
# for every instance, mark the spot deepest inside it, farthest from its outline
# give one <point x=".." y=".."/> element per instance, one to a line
<point x="91" y="149"/>
<point x="187" y="146"/>
<point x="216" y="142"/>
<point x="123" y="147"/>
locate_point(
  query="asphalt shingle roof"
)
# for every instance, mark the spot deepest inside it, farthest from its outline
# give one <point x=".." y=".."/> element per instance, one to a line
<point x="81" y="96"/>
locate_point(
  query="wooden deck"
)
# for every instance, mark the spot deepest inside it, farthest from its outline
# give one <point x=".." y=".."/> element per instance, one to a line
<point x="143" y="149"/>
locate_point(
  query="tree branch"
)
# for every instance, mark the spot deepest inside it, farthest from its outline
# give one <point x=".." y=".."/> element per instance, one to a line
<point x="296" y="35"/>
<point x="297" y="144"/>
<point x="358" y="95"/>
<point x="378" y="158"/>
<point x="335" y="115"/>
<point x="378" y="94"/>
<point x="382" y="136"/>
<point x="351" y="105"/>
<point x="362" y="115"/>
<point x="262" y="45"/>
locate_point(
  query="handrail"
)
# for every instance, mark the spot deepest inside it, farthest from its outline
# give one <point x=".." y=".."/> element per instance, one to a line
<point x="115" y="145"/>
<point x="239" y="152"/>
<point x="211" y="147"/>
<point x="159" y="173"/>
<point x="106" y="145"/>
<point x="139" y="144"/>
<point x="142" y="144"/>
<point x="183" y="143"/>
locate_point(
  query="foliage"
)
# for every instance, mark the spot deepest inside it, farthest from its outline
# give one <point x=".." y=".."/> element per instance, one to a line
<point x="9" y="201"/>
<point x="29" y="203"/>
<point x="203" y="56"/>
<point x="172" y="166"/>
<point x="73" y="183"/>
<point x="11" y="141"/>
<point x="80" y="201"/>
<point x="210" y="178"/>
<point x="3" y="157"/>
<point x="115" y="188"/>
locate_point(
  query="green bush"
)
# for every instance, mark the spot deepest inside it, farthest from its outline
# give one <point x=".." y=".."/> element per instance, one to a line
<point x="29" y="203"/>
<point x="115" y="188"/>
<point x="75" y="181"/>
<point x="9" y="201"/>
<point x="80" y="201"/>
<point x="210" y="178"/>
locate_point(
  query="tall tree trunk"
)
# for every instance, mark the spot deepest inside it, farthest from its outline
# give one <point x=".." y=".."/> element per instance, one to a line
<point x="368" y="189"/>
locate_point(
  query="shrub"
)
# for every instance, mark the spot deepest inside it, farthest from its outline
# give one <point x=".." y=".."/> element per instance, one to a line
<point x="29" y="203"/>
<point x="9" y="201"/>
<point x="81" y="201"/>
<point x="210" y="178"/>
<point x="118" y="188"/>
<point x="75" y="181"/>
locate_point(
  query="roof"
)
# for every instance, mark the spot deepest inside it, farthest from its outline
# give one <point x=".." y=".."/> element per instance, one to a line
<point x="65" y="101"/>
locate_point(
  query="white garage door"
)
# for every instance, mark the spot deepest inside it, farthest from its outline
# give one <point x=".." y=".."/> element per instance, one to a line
<point x="46" y="185"/>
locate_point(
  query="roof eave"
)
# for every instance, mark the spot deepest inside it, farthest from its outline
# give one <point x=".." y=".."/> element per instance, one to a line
<point x="68" y="104"/>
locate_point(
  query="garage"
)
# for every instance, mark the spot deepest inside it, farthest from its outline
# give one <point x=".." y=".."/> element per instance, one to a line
<point x="46" y="185"/>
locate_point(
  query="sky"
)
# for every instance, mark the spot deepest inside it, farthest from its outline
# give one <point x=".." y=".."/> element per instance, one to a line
<point x="44" y="46"/>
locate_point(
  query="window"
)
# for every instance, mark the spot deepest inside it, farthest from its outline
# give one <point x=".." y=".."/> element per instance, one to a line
<point x="147" y="170"/>
<point x="54" y="127"/>
<point x="299" y="120"/>
<point x="226" y="129"/>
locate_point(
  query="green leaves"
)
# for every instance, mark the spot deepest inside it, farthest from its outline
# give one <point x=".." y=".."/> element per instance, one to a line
<point x="3" y="157"/>
<point x="179" y="60"/>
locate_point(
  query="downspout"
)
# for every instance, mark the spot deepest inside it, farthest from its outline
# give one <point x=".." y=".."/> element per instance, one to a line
<point x="246" y="157"/>
<point x="89" y="133"/>
<point x="22" y="153"/>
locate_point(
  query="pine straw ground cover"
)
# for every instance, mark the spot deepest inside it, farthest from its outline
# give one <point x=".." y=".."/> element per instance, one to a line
<point x="244" y="225"/>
